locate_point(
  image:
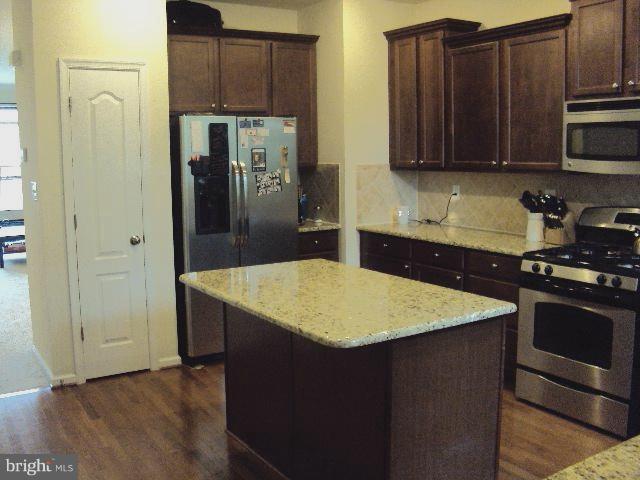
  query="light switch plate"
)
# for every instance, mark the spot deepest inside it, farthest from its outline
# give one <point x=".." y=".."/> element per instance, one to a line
<point x="34" y="190"/>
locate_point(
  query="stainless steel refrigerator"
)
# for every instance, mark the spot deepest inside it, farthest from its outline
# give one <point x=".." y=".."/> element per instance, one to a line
<point x="238" y="199"/>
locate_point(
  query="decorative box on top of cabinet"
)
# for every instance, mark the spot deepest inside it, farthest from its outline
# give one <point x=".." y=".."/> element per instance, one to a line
<point x="238" y="72"/>
<point x="604" y="49"/>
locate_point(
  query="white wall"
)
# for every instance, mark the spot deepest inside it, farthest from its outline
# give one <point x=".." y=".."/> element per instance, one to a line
<point x="251" y="17"/>
<point x="7" y="80"/>
<point x="95" y="30"/>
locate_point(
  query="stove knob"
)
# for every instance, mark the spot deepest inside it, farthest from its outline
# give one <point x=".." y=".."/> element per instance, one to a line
<point x="535" y="267"/>
<point x="616" y="281"/>
<point x="601" y="279"/>
<point x="548" y="269"/>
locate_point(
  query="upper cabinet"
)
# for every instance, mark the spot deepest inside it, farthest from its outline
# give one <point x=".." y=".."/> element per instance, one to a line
<point x="241" y="72"/>
<point x="244" y="75"/>
<point x="294" y="93"/>
<point x="532" y="99"/>
<point x="596" y="48"/>
<point x="416" y="92"/>
<point x="193" y="73"/>
<point x="472" y="106"/>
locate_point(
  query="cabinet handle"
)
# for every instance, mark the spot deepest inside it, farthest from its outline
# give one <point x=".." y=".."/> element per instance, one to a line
<point x="631" y="83"/>
<point x="225" y="105"/>
<point x="615" y="85"/>
<point x="458" y="277"/>
<point x="413" y="162"/>
<point x="385" y="245"/>
<point x="494" y="265"/>
<point x="316" y="242"/>
<point x="436" y="254"/>
<point x="504" y="164"/>
<point x="494" y="163"/>
<point x="213" y="105"/>
<point x="420" y="162"/>
<point x="406" y="267"/>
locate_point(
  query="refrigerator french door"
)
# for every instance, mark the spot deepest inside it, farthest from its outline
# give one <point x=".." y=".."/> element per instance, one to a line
<point x="239" y="207"/>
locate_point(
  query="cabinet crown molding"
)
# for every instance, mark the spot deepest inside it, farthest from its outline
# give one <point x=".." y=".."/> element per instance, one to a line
<point x="246" y="34"/>
<point x="452" y="25"/>
<point x="509" y="31"/>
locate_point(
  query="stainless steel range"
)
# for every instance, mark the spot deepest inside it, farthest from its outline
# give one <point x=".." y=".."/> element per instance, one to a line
<point x="578" y="323"/>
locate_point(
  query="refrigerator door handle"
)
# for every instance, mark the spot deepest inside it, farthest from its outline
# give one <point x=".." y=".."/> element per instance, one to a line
<point x="237" y="221"/>
<point x="245" y="204"/>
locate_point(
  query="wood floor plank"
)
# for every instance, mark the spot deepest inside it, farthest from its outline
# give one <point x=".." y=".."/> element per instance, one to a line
<point x="171" y="424"/>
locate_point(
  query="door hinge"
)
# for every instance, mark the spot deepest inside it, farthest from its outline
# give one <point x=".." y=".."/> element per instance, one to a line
<point x="81" y="333"/>
<point x="75" y="222"/>
<point x="69" y="104"/>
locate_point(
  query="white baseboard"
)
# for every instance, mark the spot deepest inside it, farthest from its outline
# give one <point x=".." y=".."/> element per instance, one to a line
<point x="169" y="362"/>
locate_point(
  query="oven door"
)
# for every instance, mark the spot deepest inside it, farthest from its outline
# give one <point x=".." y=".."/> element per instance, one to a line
<point x="587" y="343"/>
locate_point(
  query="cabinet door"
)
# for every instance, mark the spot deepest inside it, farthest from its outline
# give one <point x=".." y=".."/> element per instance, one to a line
<point x="532" y="98"/>
<point x="244" y="75"/>
<point x="472" y="107"/>
<point x="293" y="69"/>
<point x="431" y="101"/>
<point x="403" y="103"/>
<point x="193" y="70"/>
<point x="438" y="276"/>
<point x="632" y="47"/>
<point x="595" y="48"/>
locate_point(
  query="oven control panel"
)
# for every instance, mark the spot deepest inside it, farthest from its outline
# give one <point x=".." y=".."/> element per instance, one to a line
<point x="582" y="275"/>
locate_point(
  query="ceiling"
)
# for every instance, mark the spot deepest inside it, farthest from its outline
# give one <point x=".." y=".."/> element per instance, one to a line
<point x="6" y="43"/>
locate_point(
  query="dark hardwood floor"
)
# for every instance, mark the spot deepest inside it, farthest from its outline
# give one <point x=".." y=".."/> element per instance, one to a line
<point x="170" y="424"/>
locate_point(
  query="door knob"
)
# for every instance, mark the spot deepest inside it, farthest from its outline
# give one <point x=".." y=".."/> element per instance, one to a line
<point x="134" y="240"/>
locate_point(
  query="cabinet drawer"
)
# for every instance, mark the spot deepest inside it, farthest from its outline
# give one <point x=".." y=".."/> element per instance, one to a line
<point x="497" y="289"/>
<point x="437" y="255"/>
<point x="385" y="245"/>
<point x="386" y="265"/>
<point x="491" y="265"/>
<point x="315" y="242"/>
<point x="438" y="276"/>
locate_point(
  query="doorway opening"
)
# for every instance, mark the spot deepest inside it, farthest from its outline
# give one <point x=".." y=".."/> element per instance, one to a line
<point x="21" y="368"/>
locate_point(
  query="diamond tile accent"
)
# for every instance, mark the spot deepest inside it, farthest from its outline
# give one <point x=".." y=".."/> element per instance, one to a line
<point x="322" y="186"/>
<point x="381" y="190"/>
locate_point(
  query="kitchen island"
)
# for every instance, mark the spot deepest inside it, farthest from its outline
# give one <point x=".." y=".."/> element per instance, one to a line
<point x="338" y="372"/>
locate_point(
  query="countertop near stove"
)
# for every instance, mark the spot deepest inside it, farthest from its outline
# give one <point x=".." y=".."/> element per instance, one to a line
<point x="342" y="306"/>
<point x="505" y="243"/>
<point x="621" y="462"/>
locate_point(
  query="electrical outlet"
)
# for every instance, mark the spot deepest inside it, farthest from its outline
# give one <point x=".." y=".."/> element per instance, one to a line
<point x="455" y="190"/>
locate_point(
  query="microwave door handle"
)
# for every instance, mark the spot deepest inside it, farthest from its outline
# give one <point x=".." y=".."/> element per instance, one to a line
<point x="236" y="222"/>
<point x="245" y="204"/>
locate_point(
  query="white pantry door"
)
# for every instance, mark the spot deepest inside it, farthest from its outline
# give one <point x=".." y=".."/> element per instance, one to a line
<point x="107" y="179"/>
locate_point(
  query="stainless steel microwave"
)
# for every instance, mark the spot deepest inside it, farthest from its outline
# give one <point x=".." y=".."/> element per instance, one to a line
<point x="602" y="136"/>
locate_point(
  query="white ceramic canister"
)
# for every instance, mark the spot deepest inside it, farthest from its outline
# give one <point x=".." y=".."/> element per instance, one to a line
<point x="535" y="227"/>
<point x="401" y="215"/>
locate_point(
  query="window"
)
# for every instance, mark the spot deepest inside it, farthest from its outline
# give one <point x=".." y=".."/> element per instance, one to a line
<point x="10" y="171"/>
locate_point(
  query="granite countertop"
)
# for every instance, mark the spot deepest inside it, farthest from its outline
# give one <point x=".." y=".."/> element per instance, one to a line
<point x="343" y="306"/>
<point x="505" y="243"/>
<point x="621" y="462"/>
<point x="310" y="226"/>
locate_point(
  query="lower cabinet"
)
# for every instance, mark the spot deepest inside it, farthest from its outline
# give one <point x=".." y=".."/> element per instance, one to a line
<point x="321" y="244"/>
<point x="487" y="274"/>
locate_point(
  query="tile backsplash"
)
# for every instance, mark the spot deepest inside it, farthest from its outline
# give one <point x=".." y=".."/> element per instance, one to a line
<point x="381" y="190"/>
<point x="322" y="186"/>
<point x="490" y="200"/>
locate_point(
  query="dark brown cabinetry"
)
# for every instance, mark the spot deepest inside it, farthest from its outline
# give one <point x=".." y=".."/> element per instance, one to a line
<point x="241" y="72"/>
<point x="193" y="73"/>
<point x="478" y="100"/>
<point x="604" y="42"/>
<point x="293" y="67"/>
<point x="416" y="92"/>
<point x="323" y="244"/>
<point x="505" y="95"/>
<point x="532" y="98"/>
<point x="244" y="75"/>
<point x="488" y="274"/>
<point x="472" y="106"/>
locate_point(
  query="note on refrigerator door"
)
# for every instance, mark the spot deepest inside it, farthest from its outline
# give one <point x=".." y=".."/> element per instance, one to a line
<point x="196" y="136"/>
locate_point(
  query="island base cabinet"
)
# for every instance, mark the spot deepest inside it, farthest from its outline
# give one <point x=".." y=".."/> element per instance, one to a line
<point x="423" y="407"/>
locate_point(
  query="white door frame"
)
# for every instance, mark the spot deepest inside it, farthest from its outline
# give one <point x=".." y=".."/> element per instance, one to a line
<point x="65" y="66"/>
